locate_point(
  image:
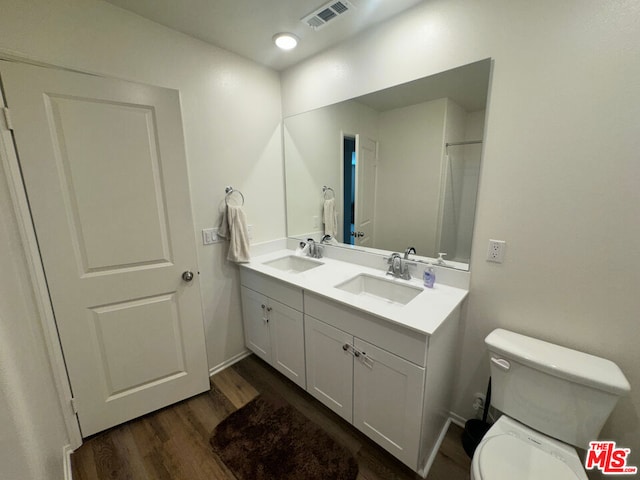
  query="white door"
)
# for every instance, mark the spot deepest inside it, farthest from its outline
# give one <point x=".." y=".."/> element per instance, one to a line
<point x="366" y="171"/>
<point x="256" y="326"/>
<point x="105" y="172"/>
<point x="287" y="341"/>
<point x="329" y="366"/>
<point x="387" y="400"/>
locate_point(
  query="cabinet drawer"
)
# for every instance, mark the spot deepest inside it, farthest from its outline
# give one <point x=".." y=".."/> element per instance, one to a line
<point x="280" y="291"/>
<point x="401" y="341"/>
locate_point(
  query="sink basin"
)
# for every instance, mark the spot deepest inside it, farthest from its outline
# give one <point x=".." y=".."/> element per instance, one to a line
<point x="380" y="288"/>
<point x="293" y="264"/>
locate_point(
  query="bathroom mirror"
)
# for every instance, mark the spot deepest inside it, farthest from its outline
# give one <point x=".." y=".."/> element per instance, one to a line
<point x="401" y="165"/>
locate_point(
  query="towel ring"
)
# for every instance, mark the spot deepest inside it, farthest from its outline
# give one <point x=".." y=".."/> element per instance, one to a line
<point x="326" y="189"/>
<point x="229" y="190"/>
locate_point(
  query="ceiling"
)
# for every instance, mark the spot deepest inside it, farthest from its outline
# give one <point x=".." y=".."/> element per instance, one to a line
<point x="467" y="86"/>
<point x="246" y="27"/>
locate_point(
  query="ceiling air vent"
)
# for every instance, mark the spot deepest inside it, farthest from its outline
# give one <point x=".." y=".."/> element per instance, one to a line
<point x="326" y="13"/>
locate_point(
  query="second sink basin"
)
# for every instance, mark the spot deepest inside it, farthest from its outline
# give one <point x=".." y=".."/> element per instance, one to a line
<point x="380" y="288"/>
<point x="294" y="264"/>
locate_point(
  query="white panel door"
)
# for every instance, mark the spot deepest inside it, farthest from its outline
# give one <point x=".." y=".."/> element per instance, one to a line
<point x="366" y="171"/>
<point x="286" y="328"/>
<point x="105" y="171"/>
<point x="256" y="323"/>
<point x="329" y="366"/>
<point x="387" y="400"/>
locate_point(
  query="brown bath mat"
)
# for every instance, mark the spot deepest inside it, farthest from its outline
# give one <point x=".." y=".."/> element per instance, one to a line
<point x="268" y="439"/>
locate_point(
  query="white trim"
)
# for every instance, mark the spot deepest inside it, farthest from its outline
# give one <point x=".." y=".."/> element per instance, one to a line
<point x="434" y="452"/>
<point x="457" y="419"/>
<point x="66" y="452"/>
<point x="227" y="363"/>
<point x="9" y="158"/>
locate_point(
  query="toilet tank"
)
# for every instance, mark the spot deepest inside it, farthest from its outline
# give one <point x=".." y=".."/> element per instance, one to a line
<point x="558" y="391"/>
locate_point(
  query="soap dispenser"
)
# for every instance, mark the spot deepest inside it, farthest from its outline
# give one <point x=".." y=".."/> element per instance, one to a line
<point x="429" y="277"/>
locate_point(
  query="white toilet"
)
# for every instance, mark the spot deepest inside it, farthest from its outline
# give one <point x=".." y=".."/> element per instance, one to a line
<point x="552" y="399"/>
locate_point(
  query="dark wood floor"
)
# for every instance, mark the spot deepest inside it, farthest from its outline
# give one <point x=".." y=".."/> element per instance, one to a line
<point x="173" y="443"/>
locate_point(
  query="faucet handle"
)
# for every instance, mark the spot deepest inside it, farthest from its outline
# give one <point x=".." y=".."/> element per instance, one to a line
<point x="391" y="258"/>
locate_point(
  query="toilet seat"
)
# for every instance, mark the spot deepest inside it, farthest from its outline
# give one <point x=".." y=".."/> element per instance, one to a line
<point x="511" y="450"/>
<point x="506" y="457"/>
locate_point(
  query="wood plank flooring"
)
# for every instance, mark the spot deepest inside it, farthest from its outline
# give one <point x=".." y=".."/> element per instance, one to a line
<point x="173" y="443"/>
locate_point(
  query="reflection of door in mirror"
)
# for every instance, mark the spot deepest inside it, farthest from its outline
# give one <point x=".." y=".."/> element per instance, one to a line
<point x="349" y="190"/>
<point x="366" y="169"/>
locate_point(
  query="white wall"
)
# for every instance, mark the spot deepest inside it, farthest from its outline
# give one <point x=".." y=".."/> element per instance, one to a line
<point x="312" y="145"/>
<point x="560" y="175"/>
<point x="408" y="184"/>
<point x="231" y="114"/>
<point x="32" y="429"/>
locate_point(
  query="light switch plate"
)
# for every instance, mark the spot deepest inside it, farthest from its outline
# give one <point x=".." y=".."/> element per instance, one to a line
<point x="210" y="236"/>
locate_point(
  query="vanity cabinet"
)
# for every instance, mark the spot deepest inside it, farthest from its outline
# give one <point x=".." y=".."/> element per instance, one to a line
<point x="273" y="330"/>
<point x="378" y="392"/>
<point x="392" y="382"/>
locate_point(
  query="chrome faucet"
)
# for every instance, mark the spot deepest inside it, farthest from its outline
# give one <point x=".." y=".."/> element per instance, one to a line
<point x="326" y="239"/>
<point x="408" y="251"/>
<point x="315" y="250"/>
<point x="398" y="267"/>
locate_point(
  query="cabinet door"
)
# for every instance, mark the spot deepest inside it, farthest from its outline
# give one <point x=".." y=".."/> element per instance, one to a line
<point x="287" y="341"/>
<point x="329" y="366"/>
<point x="387" y="406"/>
<point x="256" y="325"/>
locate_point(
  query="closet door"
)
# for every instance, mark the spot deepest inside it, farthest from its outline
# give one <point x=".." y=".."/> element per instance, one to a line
<point x="104" y="166"/>
<point x="329" y="366"/>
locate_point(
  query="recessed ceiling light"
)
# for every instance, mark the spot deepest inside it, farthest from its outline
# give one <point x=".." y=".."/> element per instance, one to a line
<point x="285" y="41"/>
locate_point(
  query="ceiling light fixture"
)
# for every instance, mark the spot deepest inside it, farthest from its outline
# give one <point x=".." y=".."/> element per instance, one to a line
<point x="285" y="41"/>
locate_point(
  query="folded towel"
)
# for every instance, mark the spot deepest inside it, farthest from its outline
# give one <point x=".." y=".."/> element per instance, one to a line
<point x="234" y="228"/>
<point x="330" y="217"/>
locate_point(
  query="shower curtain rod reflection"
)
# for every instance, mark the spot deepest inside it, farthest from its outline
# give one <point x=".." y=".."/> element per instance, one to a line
<point x="469" y="142"/>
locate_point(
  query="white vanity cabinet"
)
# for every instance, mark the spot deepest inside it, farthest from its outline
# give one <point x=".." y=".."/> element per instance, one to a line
<point x="273" y="324"/>
<point x="391" y="381"/>
<point x="377" y="391"/>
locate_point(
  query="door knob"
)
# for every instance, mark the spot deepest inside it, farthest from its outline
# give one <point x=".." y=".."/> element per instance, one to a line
<point x="187" y="276"/>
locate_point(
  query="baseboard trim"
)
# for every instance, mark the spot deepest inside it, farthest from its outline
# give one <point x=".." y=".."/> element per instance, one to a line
<point x="434" y="452"/>
<point x="229" y="362"/>
<point x="66" y="452"/>
<point x="457" y="419"/>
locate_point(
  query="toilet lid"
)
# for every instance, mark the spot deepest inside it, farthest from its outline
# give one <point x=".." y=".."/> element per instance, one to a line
<point x="505" y="457"/>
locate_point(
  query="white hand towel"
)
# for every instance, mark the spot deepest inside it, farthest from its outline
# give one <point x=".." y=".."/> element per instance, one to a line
<point x="234" y="227"/>
<point x="330" y="217"/>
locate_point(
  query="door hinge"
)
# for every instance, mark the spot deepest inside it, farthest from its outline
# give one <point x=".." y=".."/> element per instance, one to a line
<point x="7" y="118"/>
<point x="74" y="405"/>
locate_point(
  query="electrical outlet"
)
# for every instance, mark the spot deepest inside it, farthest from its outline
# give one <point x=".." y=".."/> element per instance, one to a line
<point x="496" y="251"/>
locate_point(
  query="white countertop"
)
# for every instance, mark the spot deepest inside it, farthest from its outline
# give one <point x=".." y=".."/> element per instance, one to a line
<point x="424" y="314"/>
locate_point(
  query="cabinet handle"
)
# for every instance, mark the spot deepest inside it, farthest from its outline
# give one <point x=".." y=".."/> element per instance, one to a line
<point x="356" y="353"/>
<point x="269" y="309"/>
<point x="368" y="361"/>
<point x="263" y="306"/>
<point x="345" y="347"/>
